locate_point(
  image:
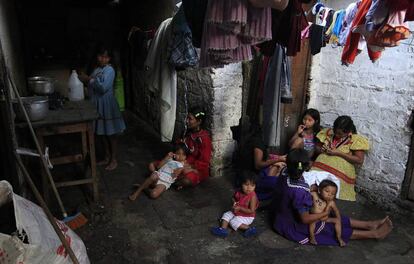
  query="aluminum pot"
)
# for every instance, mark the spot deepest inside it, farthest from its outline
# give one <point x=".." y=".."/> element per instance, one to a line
<point x="41" y="85"/>
<point x="37" y="107"/>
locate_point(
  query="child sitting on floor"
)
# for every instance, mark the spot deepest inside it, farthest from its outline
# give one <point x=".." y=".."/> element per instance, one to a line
<point x="324" y="200"/>
<point x="168" y="170"/>
<point x="244" y="208"/>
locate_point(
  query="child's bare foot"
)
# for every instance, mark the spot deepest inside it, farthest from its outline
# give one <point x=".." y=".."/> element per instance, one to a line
<point x="377" y="223"/>
<point x="112" y="165"/>
<point x="384" y="229"/>
<point x="312" y="240"/>
<point x="341" y="242"/>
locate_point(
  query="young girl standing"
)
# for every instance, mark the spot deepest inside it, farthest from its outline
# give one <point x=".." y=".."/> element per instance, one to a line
<point x="305" y="136"/>
<point x="100" y="89"/>
<point x="244" y="208"/>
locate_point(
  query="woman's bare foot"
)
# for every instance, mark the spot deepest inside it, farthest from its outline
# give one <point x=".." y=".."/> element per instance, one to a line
<point x="377" y="223"/>
<point x="383" y="231"/>
<point x="112" y="165"/>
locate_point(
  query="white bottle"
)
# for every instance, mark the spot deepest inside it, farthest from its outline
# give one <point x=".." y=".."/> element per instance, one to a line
<point x="75" y="88"/>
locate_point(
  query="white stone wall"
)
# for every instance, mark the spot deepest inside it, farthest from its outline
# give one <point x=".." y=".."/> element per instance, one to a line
<point x="227" y="105"/>
<point x="379" y="97"/>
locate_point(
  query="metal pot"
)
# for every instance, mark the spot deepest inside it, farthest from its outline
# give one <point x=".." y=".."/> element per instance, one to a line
<point x="37" y="108"/>
<point x="41" y="85"/>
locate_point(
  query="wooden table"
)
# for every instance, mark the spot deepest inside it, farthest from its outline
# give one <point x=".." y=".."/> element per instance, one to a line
<point x="75" y="117"/>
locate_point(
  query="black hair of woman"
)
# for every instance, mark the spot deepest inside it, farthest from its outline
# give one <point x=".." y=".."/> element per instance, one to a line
<point x="247" y="175"/>
<point x="316" y="116"/>
<point x="183" y="147"/>
<point x="345" y="123"/>
<point x="297" y="163"/>
<point x="326" y="183"/>
<point x="199" y="113"/>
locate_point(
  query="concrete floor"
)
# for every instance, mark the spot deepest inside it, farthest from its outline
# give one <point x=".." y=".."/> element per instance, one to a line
<point x="175" y="228"/>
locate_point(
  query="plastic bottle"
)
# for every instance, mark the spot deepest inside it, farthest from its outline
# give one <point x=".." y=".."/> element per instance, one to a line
<point x="119" y="91"/>
<point x="75" y="88"/>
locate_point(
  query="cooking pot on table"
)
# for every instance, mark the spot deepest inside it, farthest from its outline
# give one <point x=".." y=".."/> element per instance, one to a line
<point x="37" y="107"/>
<point x="41" y="85"/>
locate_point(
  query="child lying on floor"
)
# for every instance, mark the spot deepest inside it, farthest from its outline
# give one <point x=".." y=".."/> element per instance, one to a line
<point x="324" y="200"/>
<point x="166" y="174"/>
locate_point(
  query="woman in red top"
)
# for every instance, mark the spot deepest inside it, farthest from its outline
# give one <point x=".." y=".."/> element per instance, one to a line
<point x="198" y="141"/>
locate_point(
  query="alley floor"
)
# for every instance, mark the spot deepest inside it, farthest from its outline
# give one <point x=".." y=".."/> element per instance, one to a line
<point x="175" y="228"/>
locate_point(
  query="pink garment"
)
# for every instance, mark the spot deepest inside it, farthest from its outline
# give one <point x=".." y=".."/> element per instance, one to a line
<point x="230" y="28"/>
<point x="391" y="32"/>
<point x="305" y="33"/>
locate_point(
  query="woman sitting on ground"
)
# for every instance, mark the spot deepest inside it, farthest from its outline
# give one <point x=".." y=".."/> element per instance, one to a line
<point x="293" y="203"/>
<point x="255" y="157"/>
<point x="198" y="142"/>
<point x="341" y="150"/>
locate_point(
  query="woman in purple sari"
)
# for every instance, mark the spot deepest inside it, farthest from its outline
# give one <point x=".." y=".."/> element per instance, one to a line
<point x="293" y="202"/>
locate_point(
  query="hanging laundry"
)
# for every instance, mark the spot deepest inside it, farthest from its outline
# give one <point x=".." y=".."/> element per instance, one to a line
<point x="274" y="4"/>
<point x="305" y="33"/>
<point x="195" y="11"/>
<point x="286" y="80"/>
<point x="286" y="29"/>
<point x="138" y="40"/>
<point x="329" y="20"/>
<point x="354" y="39"/>
<point x="350" y="13"/>
<point x="400" y="5"/>
<point x="276" y="79"/>
<point x="317" y="30"/>
<point x="337" y="27"/>
<point x="162" y="78"/>
<point x="391" y="32"/>
<point x="230" y="28"/>
<point x="376" y="14"/>
<point x="181" y="51"/>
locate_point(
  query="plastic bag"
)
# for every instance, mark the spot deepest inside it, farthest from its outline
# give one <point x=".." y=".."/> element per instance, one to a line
<point x="41" y="236"/>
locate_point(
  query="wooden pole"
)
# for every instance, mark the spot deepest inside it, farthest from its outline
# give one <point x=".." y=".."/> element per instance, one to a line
<point x="46" y="210"/>
<point x="26" y="174"/>
<point x="39" y="150"/>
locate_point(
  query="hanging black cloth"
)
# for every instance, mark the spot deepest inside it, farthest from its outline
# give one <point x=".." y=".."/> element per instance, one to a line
<point x="195" y="11"/>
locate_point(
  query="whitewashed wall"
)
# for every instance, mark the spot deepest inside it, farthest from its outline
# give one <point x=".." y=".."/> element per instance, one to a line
<point x="379" y="97"/>
<point x="227" y="105"/>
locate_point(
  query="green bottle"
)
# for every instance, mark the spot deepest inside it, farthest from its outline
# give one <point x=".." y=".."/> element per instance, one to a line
<point x="119" y="91"/>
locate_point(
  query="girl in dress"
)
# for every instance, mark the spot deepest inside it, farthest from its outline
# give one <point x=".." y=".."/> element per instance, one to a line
<point x="101" y="93"/>
<point x="305" y="136"/>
